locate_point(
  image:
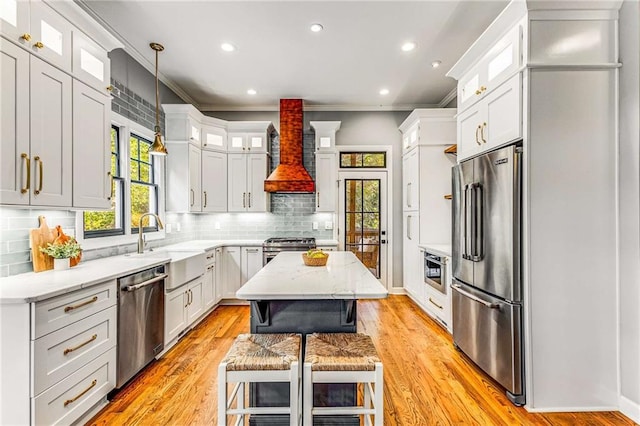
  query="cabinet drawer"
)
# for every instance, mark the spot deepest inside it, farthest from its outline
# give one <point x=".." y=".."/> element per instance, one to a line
<point x="64" y="351"/>
<point x="71" y="398"/>
<point x="55" y="313"/>
<point x="437" y="304"/>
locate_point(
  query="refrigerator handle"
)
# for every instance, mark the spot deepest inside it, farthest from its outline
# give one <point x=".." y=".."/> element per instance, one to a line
<point x="473" y="219"/>
<point x="466" y="211"/>
<point x="478" y="235"/>
<point x="489" y="305"/>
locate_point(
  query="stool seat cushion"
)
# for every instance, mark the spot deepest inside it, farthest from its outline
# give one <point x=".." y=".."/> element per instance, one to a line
<point x="263" y="352"/>
<point x="340" y="352"/>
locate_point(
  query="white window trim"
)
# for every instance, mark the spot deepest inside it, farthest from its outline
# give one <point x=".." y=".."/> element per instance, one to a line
<point x="127" y="127"/>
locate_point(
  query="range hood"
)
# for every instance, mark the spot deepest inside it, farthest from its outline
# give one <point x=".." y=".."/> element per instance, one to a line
<point x="290" y="175"/>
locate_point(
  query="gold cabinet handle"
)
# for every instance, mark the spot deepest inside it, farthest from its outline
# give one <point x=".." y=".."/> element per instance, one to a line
<point x="80" y="305"/>
<point x="39" y="45"/>
<point x="434" y="303"/>
<point x="26" y="37"/>
<point x="37" y="159"/>
<point x="249" y="200"/>
<point x="28" y="160"/>
<point x="75" y="348"/>
<point x="74" y="399"/>
<point x="110" y="197"/>
<point x="477" y="140"/>
<point x="205" y="199"/>
<point x="193" y="197"/>
<point x="482" y="132"/>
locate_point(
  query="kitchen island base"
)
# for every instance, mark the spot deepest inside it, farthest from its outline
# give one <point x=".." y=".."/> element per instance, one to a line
<point x="303" y="316"/>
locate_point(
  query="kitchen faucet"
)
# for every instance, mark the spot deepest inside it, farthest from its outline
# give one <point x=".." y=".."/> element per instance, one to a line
<point x="140" y="230"/>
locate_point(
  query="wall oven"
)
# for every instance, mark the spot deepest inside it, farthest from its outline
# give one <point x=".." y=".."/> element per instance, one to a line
<point x="435" y="270"/>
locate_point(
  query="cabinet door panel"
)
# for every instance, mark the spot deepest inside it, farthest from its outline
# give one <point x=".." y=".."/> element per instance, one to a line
<point x="174" y="314"/>
<point x="504" y="117"/>
<point x="251" y="262"/>
<point x="257" y="199"/>
<point x="51" y="135"/>
<point x="14" y="20"/>
<point x="214" y="182"/>
<point x="195" y="306"/>
<point x="232" y="271"/>
<point x="14" y="123"/>
<point x="237" y="183"/>
<point x="410" y="180"/>
<point x="54" y="32"/>
<point x="195" y="164"/>
<point x="91" y="64"/>
<point x="326" y="177"/>
<point x="208" y="287"/>
<point x="469" y="127"/>
<point x="91" y="148"/>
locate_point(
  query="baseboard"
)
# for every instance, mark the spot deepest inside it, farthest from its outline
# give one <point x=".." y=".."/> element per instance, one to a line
<point x="397" y="290"/>
<point x="569" y="409"/>
<point x="630" y="409"/>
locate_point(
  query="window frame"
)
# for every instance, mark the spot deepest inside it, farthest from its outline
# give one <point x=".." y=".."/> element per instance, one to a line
<point x="126" y="127"/>
<point x="363" y="153"/>
<point x="153" y="184"/>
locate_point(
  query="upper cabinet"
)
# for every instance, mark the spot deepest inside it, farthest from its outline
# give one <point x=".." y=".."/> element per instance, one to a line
<point x="247" y="173"/>
<point x="91" y="63"/>
<point x="182" y="123"/>
<point x="249" y="136"/>
<point x="326" y="164"/>
<point x="214" y="138"/>
<point x="428" y="126"/>
<point x="325" y="134"/>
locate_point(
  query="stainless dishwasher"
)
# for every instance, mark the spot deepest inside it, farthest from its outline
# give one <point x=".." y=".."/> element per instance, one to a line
<point x="140" y="320"/>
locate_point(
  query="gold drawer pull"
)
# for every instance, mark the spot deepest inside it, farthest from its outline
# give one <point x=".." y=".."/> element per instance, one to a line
<point x="39" y="44"/>
<point x="434" y="303"/>
<point x="28" y="162"/>
<point x="88" y="302"/>
<point x="26" y="37"/>
<point x="69" y="401"/>
<point x="69" y="350"/>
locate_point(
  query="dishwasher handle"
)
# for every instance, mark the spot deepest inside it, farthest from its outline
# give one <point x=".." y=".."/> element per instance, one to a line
<point x="145" y="283"/>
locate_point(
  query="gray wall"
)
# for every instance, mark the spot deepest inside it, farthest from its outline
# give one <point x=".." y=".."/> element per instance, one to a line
<point x="358" y="128"/>
<point x="630" y="203"/>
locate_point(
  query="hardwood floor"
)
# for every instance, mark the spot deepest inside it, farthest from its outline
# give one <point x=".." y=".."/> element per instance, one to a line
<point x="427" y="382"/>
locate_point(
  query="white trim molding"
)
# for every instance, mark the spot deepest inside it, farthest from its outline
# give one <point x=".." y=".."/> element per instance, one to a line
<point x="630" y="409"/>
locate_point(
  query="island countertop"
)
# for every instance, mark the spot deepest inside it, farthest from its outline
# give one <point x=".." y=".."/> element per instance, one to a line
<point x="286" y="277"/>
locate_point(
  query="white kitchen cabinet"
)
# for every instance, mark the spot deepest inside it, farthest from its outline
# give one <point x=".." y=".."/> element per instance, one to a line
<point x="50" y="112"/>
<point x="428" y="126"/>
<point x="411" y="262"/>
<point x="184" y="186"/>
<point x="50" y="35"/>
<point x="219" y="278"/>
<point x="246" y="175"/>
<point x="410" y="181"/>
<point x="16" y="22"/>
<point x="494" y="120"/>
<point x="249" y="136"/>
<point x="183" y="306"/>
<point x="92" y="148"/>
<point x="214" y="181"/>
<point x="210" y="290"/>
<point x="325" y="134"/>
<point x="231" y="271"/>
<point x="214" y="138"/>
<point x="91" y="64"/>
<point x="251" y="263"/>
<point x="326" y="182"/>
<point x="59" y="347"/>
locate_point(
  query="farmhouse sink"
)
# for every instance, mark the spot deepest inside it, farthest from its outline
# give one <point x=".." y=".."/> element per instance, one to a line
<point x="183" y="267"/>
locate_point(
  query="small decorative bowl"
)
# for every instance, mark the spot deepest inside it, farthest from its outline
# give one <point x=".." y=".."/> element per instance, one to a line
<point x="315" y="261"/>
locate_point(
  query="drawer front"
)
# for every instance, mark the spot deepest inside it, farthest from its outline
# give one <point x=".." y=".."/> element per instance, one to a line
<point x="72" y="397"/>
<point x="55" y="313"/>
<point x="438" y="305"/>
<point x="64" y="351"/>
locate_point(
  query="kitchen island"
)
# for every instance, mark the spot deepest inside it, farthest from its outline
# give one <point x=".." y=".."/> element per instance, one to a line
<point x="289" y="297"/>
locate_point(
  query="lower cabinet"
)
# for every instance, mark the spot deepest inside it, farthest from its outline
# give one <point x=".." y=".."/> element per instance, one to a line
<point x="239" y="264"/>
<point x="210" y="293"/>
<point x="251" y="263"/>
<point x="411" y="259"/>
<point x="438" y="305"/>
<point x="182" y="307"/>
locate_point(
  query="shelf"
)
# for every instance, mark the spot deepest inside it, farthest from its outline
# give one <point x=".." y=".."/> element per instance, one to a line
<point x="453" y="149"/>
<point x="448" y="197"/>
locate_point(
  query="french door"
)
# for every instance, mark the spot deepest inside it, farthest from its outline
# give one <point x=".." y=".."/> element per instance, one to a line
<point x="362" y="225"/>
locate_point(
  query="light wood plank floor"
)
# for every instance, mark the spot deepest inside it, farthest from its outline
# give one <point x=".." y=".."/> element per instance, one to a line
<point x="427" y="382"/>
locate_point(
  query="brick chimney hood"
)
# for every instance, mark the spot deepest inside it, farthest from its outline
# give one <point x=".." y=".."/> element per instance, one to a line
<point x="290" y="175"/>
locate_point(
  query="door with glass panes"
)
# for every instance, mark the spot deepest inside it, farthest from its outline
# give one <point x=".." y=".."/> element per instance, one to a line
<point x="363" y="218"/>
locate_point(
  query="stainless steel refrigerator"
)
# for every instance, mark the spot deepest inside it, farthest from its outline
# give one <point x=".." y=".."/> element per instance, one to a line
<point x="487" y="282"/>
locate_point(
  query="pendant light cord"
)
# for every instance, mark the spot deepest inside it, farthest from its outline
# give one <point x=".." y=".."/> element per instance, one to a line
<point x="157" y="97"/>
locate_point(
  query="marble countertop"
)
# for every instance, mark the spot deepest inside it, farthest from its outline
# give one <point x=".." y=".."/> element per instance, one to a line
<point x="286" y="277"/>
<point x="441" y="249"/>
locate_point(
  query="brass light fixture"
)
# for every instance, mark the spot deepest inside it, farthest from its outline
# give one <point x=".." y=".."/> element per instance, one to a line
<point x="158" y="147"/>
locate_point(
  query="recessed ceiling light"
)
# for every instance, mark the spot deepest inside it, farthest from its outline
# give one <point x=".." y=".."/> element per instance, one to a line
<point x="408" y="46"/>
<point x="227" y="47"/>
<point x="316" y="28"/>
<point x="384" y="92"/>
<point x="436" y="64"/>
<point x="251" y="91"/>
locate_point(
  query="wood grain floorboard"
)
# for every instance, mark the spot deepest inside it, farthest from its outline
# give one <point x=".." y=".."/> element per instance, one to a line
<point x="427" y="381"/>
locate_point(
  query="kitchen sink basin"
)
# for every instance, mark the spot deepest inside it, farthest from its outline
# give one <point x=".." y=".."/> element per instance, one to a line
<point x="183" y="267"/>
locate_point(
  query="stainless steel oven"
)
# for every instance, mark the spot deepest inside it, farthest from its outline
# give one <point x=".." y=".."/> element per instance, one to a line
<point x="272" y="246"/>
<point x="435" y="270"/>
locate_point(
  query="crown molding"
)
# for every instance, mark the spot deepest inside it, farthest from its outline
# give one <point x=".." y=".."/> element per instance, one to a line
<point x="448" y="98"/>
<point x="346" y="108"/>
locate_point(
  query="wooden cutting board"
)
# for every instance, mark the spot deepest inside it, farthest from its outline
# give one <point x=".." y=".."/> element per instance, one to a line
<point x="39" y="237"/>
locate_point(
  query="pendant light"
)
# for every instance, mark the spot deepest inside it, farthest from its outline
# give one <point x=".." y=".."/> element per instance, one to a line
<point x="158" y="147"/>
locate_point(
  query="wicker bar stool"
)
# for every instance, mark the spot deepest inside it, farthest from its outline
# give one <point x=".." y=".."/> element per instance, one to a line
<point x="260" y="358"/>
<point x="343" y="358"/>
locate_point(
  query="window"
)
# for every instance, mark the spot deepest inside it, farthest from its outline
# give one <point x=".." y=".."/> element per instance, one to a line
<point x="136" y="190"/>
<point x="352" y="160"/>
<point x="144" y="190"/>
<point x="108" y="223"/>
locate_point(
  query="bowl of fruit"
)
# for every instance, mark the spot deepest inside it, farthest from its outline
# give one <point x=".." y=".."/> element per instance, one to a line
<point x="315" y="257"/>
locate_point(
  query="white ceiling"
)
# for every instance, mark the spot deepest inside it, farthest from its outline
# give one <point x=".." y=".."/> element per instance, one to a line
<point x="340" y="68"/>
